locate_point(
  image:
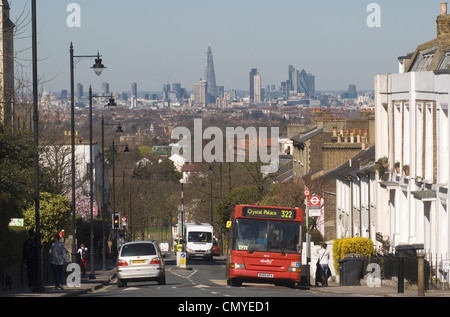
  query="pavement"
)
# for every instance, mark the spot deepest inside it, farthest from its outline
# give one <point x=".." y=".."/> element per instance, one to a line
<point x="385" y="290"/>
<point x="105" y="277"/>
<point x="102" y="278"/>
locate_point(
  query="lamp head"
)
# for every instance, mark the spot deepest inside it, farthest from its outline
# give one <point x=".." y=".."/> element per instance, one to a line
<point x="98" y="66"/>
<point x="112" y="102"/>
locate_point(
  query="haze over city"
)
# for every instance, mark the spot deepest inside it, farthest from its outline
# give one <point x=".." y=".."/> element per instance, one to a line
<point x="157" y="42"/>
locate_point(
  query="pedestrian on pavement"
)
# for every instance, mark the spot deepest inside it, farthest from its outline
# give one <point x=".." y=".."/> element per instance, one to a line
<point x="59" y="257"/>
<point x="29" y="258"/>
<point x="84" y="258"/>
<point x="324" y="256"/>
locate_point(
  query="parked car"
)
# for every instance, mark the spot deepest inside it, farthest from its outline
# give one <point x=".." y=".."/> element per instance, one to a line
<point x="140" y="261"/>
<point x="216" y="248"/>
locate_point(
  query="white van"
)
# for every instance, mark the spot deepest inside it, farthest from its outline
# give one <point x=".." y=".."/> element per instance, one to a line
<point x="199" y="240"/>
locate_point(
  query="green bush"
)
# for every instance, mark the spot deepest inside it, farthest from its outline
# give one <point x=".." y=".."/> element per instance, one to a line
<point x="54" y="215"/>
<point x="11" y="252"/>
<point x="361" y="246"/>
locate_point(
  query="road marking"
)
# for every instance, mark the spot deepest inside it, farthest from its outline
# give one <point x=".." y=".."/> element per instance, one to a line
<point x="201" y="286"/>
<point x="102" y="289"/>
<point x="219" y="282"/>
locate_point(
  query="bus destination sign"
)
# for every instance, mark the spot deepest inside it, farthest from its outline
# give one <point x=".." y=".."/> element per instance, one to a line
<point x="264" y="212"/>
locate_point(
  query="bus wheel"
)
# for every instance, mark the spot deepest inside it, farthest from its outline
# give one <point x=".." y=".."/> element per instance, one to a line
<point x="234" y="282"/>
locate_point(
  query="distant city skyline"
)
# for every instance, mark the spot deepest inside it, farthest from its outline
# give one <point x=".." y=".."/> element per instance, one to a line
<point x="153" y="43"/>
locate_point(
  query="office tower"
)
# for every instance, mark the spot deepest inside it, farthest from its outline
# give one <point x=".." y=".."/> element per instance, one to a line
<point x="134" y="90"/>
<point x="79" y="91"/>
<point x="253" y="73"/>
<point x="211" y="88"/>
<point x="306" y="83"/>
<point x="312" y="83"/>
<point x="294" y="83"/>
<point x="6" y="66"/>
<point x="200" y="93"/>
<point x="176" y="88"/>
<point x="166" y="89"/>
<point x="105" y="89"/>
<point x="232" y="94"/>
<point x="220" y="91"/>
<point x="257" y="88"/>
<point x="352" y="89"/>
<point x="291" y="71"/>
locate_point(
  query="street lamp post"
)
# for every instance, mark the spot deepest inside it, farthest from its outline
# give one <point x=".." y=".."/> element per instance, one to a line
<point x="119" y="128"/>
<point x="98" y="68"/>
<point x="91" y="181"/>
<point x="91" y="194"/>
<point x="182" y="208"/>
<point x="38" y="282"/>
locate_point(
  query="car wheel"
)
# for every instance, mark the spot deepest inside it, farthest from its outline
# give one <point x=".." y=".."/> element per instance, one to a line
<point x="162" y="280"/>
<point x="121" y="283"/>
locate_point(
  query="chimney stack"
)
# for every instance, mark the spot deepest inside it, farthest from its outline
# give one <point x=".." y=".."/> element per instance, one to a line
<point x="443" y="21"/>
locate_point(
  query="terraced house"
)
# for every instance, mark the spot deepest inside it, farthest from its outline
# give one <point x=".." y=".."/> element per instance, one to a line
<point x="412" y="132"/>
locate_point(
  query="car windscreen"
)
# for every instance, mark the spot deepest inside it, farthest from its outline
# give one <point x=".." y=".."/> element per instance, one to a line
<point x="198" y="236"/>
<point x="138" y="249"/>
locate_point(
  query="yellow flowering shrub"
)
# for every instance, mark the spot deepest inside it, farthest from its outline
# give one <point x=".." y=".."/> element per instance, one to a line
<point x="361" y="246"/>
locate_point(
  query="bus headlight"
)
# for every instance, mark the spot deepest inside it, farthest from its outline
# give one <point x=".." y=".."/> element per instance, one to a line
<point x="237" y="266"/>
<point x="293" y="269"/>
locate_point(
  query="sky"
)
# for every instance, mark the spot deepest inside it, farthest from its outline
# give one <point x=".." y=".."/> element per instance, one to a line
<point x="152" y="42"/>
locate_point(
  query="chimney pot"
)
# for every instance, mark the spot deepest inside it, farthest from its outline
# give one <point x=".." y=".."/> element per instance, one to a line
<point x="443" y="8"/>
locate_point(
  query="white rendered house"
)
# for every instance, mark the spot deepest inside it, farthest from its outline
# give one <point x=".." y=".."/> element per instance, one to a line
<point x="412" y="128"/>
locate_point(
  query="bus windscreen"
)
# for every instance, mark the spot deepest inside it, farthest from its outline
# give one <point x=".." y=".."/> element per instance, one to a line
<point x="266" y="235"/>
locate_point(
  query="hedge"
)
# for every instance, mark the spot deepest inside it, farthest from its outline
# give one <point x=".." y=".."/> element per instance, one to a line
<point x="361" y="246"/>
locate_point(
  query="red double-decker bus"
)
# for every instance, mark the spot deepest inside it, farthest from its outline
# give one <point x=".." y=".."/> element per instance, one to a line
<point x="264" y="245"/>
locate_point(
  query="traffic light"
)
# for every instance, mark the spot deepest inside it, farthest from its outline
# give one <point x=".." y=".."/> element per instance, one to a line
<point x="116" y="221"/>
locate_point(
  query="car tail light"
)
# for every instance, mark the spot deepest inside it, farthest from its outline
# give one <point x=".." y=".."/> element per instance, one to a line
<point x="156" y="260"/>
<point x="121" y="262"/>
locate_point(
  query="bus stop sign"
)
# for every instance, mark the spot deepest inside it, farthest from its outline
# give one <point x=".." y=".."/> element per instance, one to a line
<point x="314" y="201"/>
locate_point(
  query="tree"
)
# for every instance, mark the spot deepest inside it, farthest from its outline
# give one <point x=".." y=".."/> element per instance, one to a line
<point x="54" y="215"/>
<point x="238" y="196"/>
<point x="83" y="204"/>
<point x="288" y="194"/>
<point x="16" y="175"/>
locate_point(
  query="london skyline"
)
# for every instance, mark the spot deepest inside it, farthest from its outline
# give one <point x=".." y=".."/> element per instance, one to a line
<point x="153" y="43"/>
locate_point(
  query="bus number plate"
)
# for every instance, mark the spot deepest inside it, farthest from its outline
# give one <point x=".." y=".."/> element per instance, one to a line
<point x="265" y="275"/>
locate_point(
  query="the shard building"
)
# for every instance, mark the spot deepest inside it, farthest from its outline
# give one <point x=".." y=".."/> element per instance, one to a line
<point x="211" y="88"/>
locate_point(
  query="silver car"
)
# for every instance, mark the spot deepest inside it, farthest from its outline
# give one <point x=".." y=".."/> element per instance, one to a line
<point x="140" y="261"/>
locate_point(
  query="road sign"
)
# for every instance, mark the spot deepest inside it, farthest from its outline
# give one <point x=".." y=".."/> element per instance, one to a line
<point x="314" y="201"/>
<point x="445" y="265"/>
<point x="16" y="222"/>
<point x="306" y="192"/>
<point x="181" y="259"/>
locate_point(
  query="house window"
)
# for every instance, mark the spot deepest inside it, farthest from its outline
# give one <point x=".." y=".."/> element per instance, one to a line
<point x="398" y="135"/>
<point x="419" y="139"/>
<point x="406" y="134"/>
<point x="445" y="62"/>
<point x="422" y="63"/>
<point x="443" y="148"/>
<point x="429" y="142"/>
